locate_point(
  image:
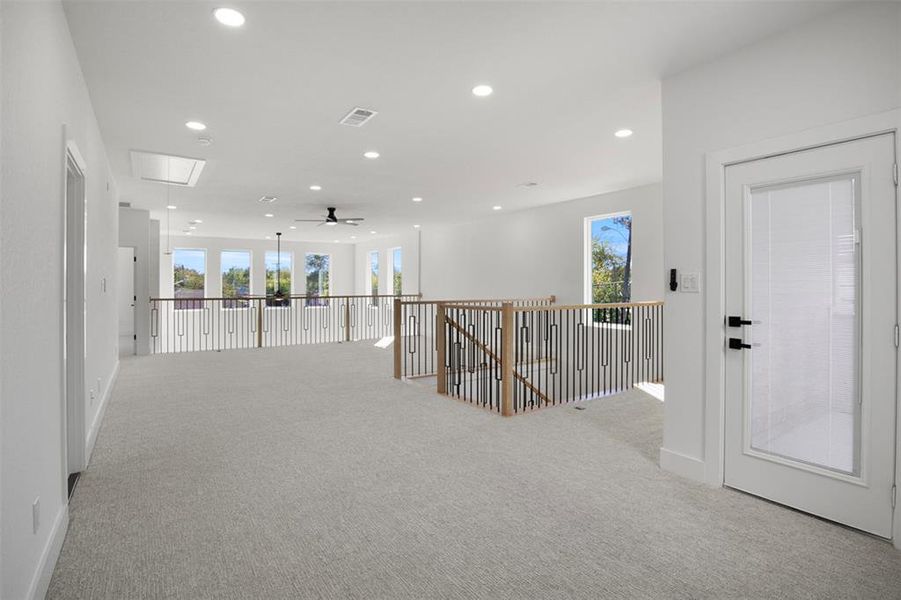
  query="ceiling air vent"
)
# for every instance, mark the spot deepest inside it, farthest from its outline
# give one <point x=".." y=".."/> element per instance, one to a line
<point x="267" y="199"/>
<point x="163" y="168"/>
<point x="358" y="117"/>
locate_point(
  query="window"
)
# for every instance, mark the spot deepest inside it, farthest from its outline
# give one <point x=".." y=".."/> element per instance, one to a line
<point x="278" y="276"/>
<point x="609" y="259"/>
<point x="397" y="267"/>
<point x="318" y="270"/>
<point x="189" y="278"/>
<point x="374" y="272"/>
<point x="235" y="277"/>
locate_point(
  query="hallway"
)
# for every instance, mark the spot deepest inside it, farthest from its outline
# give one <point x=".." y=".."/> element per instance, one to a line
<point x="308" y="472"/>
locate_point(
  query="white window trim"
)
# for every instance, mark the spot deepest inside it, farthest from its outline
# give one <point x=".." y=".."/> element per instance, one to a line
<point x="222" y="291"/>
<point x="206" y="269"/>
<point x="391" y="257"/>
<point x="378" y="259"/>
<point x="330" y="272"/>
<point x="586" y="249"/>
<point x="288" y="253"/>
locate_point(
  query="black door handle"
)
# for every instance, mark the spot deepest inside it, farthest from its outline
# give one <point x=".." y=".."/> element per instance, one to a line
<point x="737" y="321"/>
<point x="737" y="344"/>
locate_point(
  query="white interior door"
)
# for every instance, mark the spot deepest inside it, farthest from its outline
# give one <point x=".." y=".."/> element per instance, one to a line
<point x="811" y="349"/>
<point x="126" y="300"/>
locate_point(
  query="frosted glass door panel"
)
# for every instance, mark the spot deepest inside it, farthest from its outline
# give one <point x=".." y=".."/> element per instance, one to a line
<point x="802" y="291"/>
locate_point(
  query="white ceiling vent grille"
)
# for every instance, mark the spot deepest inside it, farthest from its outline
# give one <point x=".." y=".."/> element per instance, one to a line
<point x="267" y="199"/>
<point x="162" y="168"/>
<point x="358" y="117"/>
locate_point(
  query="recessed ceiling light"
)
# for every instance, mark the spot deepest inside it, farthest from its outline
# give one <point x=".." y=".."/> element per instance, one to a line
<point x="171" y="207"/>
<point x="293" y="227"/>
<point x="353" y="237"/>
<point x="269" y="215"/>
<point x="416" y="227"/>
<point x="417" y="199"/>
<point x="496" y="207"/>
<point x="482" y="90"/>
<point x="187" y="233"/>
<point x="337" y="241"/>
<point x="268" y="237"/>
<point x="229" y="17"/>
<point x="371" y="232"/>
<point x="192" y="228"/>
<point x="371" y="154"/>
<point x="315" y="188"/>
<point x="195" y="125"/>
<point x="623" y="133"/>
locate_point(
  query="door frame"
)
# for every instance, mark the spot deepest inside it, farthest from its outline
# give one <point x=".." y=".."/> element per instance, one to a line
<point x="134" y="306"/>
<point x="714" y="296"/>
<point x="72" y="154"/>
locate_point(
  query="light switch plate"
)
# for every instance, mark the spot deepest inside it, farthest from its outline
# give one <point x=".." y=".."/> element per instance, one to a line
<point x="690" y="283"/>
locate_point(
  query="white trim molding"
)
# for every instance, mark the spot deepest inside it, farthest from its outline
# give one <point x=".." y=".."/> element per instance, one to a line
<point x="712" y="472"/>
<point x="681" y="464"/>
<point x="101" y="411"/>
<point x="40" y="581"/>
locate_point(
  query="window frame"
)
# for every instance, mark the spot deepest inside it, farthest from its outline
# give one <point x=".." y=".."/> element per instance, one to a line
<point x="394" y="272"/>
<point x="290" y="291"/>
<point x="249" y="280"/>
<point x="587" y="266"/>
<point x="205" y="270"/>
<point x="323" y="303"/>
<point x="378" y="269"/>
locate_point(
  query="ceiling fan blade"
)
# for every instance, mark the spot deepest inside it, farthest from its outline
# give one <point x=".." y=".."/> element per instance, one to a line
<point x="308" y="220"/>
<point x="348" y="223"/>
<point x="352" y="219"/>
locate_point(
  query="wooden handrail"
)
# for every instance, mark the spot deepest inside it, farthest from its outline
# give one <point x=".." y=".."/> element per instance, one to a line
<point x="294" y="297"/>
<point x="469" y="301"/>
<point x="586" y="306"/>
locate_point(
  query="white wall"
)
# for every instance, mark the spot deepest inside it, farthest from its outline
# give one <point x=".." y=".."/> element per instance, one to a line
<point x="342" y="262"/>
<point x="843" y="66"/>
<point x="409" y="245"/>
<point x="134" y="231"/>
<point x="540" y="251"/>
<point x="43" y="90"/>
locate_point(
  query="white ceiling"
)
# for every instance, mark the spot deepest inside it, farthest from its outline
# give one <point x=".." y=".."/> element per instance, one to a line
<point x="566" y="76"/>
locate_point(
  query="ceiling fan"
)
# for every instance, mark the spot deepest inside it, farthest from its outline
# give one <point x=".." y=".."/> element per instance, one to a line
<point x="332" y="220"/>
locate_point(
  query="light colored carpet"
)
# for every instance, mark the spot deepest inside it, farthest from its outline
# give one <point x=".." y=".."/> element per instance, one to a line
<point x="308" y="472"/>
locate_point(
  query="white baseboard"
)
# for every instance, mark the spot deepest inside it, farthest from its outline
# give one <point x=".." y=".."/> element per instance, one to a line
<point x="91" y="438"/>
<point x="682" y="465"/>
<point x="40" y="583"/>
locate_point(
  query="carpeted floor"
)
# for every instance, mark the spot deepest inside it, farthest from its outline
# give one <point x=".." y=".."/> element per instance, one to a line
<point x="308" y="472"/>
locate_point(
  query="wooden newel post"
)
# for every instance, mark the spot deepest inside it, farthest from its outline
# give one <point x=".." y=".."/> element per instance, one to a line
<point x="398" y="340"/>
<point x="553" y="298"/>
<point x="507" y="358"/>
<point x="347" y="319"/>
<point x="260" y="305"/>
<point x="441" y="346"/>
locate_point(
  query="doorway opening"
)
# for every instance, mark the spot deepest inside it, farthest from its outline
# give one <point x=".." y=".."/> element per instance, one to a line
<point x="74" y="310"/>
